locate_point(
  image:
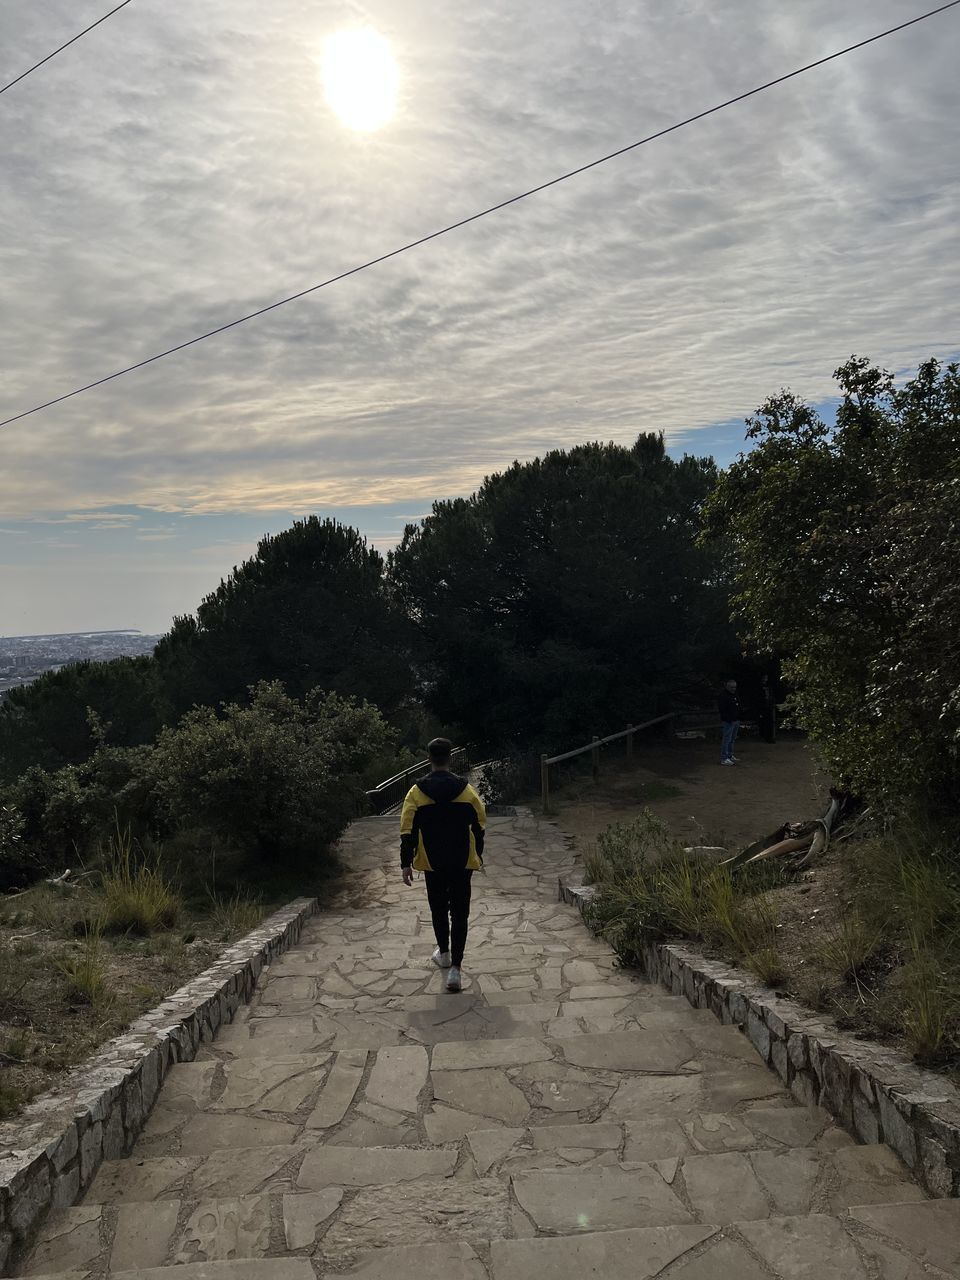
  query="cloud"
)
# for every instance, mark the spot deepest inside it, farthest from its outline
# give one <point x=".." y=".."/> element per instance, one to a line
<point x="182" y="168"/>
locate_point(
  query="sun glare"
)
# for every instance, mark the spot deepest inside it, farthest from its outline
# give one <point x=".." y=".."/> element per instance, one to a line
<point x="360" y="78"/>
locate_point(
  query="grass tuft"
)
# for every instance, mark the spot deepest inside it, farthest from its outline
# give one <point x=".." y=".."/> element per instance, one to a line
<point x="238" y="914"/>
<point x="137" y="896"/>
<point x="85" y="970"/>
<point x="851" y="946"/>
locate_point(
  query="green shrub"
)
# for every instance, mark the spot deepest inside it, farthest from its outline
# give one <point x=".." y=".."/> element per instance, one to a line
<point x="63" y="816"/>
<point x="278" y="780"/>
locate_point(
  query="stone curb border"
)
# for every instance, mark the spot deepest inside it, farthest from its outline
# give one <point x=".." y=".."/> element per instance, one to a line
<point x="877" y="1094"/>
<point x="50" y="1154"/>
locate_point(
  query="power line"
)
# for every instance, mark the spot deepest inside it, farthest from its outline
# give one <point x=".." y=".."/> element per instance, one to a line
<point x="475" y="217"/>
<point x="73" y="40"/>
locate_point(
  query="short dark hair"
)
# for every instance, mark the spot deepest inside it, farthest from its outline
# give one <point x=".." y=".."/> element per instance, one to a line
<point x="440" y="750"/>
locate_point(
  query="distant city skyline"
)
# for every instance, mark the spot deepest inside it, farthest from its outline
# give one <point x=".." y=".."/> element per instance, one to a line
<point x="182" y="165"/>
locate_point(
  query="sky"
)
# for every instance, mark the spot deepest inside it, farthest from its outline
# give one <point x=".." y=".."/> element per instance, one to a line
<point x="182" y="165"/>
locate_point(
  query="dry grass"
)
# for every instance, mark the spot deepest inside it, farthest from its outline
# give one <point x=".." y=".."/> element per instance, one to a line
<point x="137" y="896"/>
<point x="236" y="915"/>
<point x="85" y="969"/>
<point x="871" y="936"/>
<point x="651" y="890"/>
<point x="77" y="966"/>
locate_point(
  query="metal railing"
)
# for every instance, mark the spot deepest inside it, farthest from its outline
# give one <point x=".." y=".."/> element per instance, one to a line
<point x="594" y="748"/>
<point x="389" y="794"/>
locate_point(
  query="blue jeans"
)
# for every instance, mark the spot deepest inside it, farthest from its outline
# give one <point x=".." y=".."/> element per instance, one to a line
<point x="728" y="738"/>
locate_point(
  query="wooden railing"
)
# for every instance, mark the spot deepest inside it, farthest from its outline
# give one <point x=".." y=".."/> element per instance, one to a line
<point x="389" y="794"/>
<point x="594" y="748"/>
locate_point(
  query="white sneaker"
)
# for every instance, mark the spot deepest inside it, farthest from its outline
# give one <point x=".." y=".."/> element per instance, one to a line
<point x="735" y="759"/>
<point x="453" y="979"/>
<point x="441" y="959"/>
<point x="727" y="762"/>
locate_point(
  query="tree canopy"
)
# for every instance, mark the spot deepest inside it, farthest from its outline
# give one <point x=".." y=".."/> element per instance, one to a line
<point x="842" y="537"/>
<point x="48" y="723"/>
<point x="310" y="609"/>
<point x="567" y="595"/>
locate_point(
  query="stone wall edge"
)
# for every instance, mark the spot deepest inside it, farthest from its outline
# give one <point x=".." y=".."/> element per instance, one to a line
<point x="876" y="1093"/>
<point x="51" y="1152"/>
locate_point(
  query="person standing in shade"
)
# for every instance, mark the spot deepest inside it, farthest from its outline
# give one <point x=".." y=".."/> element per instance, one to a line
<point x="729" y="706"/>
<point x="442" y="827"/>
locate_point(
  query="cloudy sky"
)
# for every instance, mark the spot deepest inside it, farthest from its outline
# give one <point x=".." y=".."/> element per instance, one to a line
<point x="181" y="165"/>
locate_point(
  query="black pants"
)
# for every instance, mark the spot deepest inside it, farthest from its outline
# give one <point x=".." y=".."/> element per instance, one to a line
<point x="449" y="898"/>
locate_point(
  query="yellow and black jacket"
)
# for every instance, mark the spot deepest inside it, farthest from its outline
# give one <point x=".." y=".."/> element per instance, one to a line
<point x="442" y="825"/>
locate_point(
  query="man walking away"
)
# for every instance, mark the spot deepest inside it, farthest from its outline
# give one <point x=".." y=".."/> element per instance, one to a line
<point x="729" y="705"/>
<point x="441" y="834"/>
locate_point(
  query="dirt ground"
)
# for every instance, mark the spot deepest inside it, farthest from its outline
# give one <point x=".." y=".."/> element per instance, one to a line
<point x="702" y="801"/>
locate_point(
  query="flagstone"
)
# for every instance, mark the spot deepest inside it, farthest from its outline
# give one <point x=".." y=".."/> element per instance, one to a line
<point x="803" y="1248"/>
<point x="929" y="1231"/>
<point x="871" y="1175"/>
<point x="243" y="1171"/>
<point x="271" y="1084"/>
<point x="70" y="1238"/>
<point x="221" y="1230"/>
<point x="209" y="1131"/>
<point x="629" y="1051"/>
<point x="143" y="1236"/>
<point x="793" y="1126"/>
<point x="485" y="1092"/>
<point x="398" y="1077"/>
<point x="662" y="1096"/>
<point x="716" y="1133"/>
<point x="306" y="1212"/>
<point x="723" y="1260"/>
<point x="420" y="1262"/>
<point x="189" y="1086"/>
<point x="339" y="1089"/>
<point x="489" y="1146"/>
<point x="348" y="1167"/>
<point x="724" y="1188"/>
<point x="637" y="1254"/>
<point x="418" y="1214"/>
<point x="470" y="1055"/>
<point x="598" y="1200"/>
<point x="158" y="1178"/>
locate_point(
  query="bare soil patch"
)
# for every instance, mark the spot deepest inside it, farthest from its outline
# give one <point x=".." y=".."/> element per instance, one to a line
<point x="700" y="800"/>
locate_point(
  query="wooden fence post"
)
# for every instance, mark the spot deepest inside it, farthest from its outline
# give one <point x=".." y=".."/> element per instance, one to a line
<point x="630" y="742"/>
<point x="545" y="783"/>
<point x="596" y="758"/>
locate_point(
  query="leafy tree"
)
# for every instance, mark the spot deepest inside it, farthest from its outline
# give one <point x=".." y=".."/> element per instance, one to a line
<point x="48" y="723"/>
<point x="567" y="595"/>
<point x="311" y="608"/>
<point x="277" y="779"/>
<point x="842" y="539"/>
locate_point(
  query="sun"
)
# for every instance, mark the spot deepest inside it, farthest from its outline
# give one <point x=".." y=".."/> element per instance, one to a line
<point x="360" y="78"/>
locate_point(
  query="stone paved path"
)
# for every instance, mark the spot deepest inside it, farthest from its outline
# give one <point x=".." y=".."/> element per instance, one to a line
<point x="558" y="1119"/>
